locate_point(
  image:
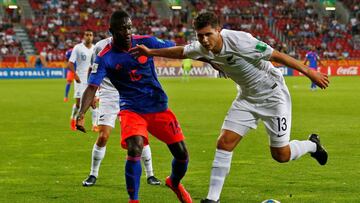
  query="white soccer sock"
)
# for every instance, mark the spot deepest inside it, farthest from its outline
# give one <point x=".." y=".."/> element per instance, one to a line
<point x="74" y="111"/>
<point x="146" y="158"/>
<point x="299" y="148"/>
<point x="98" y="154"/>
<point x="220" y="169"/>
<point x="94" y="115"/>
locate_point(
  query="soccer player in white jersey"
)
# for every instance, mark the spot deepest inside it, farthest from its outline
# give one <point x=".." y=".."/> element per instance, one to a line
<point x="108" y="111"/>
<point x="81" y="55"/>
<point x="264" y="94"/>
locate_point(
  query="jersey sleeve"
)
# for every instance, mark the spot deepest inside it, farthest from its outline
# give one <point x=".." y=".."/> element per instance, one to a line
<point x="98" y="72"/>
<point x="156" y="43"/>
<point x="250" y="47"/>
<point x="193" y="50"/>
<point x="73" y="55"/>
<point x="97" y="48"/>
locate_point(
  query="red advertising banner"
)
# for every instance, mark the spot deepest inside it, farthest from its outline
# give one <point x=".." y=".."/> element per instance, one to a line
<point x="338" y="68"/>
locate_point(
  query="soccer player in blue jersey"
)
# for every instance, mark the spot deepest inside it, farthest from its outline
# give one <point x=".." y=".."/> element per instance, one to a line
<point x="143" y="104"/>
<point x="313" y="58"/>
<point x="69" y="76"/>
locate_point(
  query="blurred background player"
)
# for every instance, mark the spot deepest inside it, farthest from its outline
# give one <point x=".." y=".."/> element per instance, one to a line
<point x="313" y="58"/>
<point x="69" y="76"/>
<point x="81" y="56"/>
<point x="108" y="112"/>
<point x="143" y="104"/>
<point x="186" y="66"/>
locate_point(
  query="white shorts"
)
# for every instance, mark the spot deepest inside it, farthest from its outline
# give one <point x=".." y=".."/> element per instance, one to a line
<point x="108" y="108"/>
<point x="274" y="111"/>
<point x="79" y="89"/>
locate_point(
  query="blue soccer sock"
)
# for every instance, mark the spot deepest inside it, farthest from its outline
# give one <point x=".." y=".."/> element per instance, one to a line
<point x="132" y="176"/>
<point x="179" y="168"/>
<point x="67" y="89"/>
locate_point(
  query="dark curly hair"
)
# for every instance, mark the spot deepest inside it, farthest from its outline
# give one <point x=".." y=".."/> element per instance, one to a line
<point x="204" y="19"/>
<point x="117" y="15"/>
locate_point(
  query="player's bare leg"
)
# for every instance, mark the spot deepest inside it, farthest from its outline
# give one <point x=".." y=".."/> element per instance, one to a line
<point x="226" y="143"/>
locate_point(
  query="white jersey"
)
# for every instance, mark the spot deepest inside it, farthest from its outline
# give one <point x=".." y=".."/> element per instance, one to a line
<point x="81" y="55"/>
<point x="106" y="87"/>
<point x="244" y="59"/>
<point x="108" y="94"/>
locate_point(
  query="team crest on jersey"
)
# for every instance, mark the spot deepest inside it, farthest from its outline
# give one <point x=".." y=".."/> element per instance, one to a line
<point x="261" y="46"/>
<point x="94" y="68"/>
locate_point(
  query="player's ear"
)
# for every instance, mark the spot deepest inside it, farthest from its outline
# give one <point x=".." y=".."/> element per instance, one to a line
<point x="218" y="28"/>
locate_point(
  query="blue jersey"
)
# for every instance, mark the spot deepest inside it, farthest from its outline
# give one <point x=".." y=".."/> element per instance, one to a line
<point x="134" y="78"/>
<point x="313" y="58"/>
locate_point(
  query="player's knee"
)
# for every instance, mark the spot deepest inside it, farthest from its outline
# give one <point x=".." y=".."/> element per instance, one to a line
<point x="228" y="140"/>
<point x="135" y="146"/>
<point x="225" y="144"/>
<point x="179" y="151"/>
<point x="104" y="135"/>
<point x="102" y="139"/>
<point x="281" y="157"/>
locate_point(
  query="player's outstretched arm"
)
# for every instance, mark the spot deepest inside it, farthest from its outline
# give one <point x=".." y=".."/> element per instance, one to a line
<point x="176" y="52"/>
<point x="320" y="79"/>
<point x="71" y="67"/>
<point x="86" y="102"/>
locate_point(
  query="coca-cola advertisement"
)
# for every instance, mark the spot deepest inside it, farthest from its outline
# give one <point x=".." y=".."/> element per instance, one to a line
<point x="337" y="68"/>
<point x="352" y="70"/>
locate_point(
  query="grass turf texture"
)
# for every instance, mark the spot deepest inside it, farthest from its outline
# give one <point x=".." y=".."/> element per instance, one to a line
<point x="41" y="160"/>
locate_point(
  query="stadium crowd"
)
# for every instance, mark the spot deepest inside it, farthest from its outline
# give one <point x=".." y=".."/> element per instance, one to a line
<point x="10" y="47"/>
<point x="57" y="25"/>
<point x="298" y="21"/>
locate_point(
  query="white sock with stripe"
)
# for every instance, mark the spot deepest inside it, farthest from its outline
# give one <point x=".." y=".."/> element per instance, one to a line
<point x="220" y="169"/>
<point x="98" y="153"/>
<point x="146" y="158"/>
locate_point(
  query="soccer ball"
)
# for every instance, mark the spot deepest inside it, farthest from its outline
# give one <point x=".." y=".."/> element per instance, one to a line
<point x="270" y="201"/>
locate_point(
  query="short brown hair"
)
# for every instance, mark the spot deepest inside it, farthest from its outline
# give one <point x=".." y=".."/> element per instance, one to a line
<point x="204" y="19"/>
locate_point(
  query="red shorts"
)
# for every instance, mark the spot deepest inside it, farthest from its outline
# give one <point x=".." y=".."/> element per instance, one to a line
<point x="70" y="76"/>
<point x="162" y="125"/>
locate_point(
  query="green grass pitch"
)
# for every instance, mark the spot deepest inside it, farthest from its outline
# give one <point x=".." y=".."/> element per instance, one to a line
<point x="41" y="160"/>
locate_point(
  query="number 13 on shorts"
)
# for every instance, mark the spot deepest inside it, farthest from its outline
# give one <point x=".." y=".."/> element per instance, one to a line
<point x="278" y="128"/>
